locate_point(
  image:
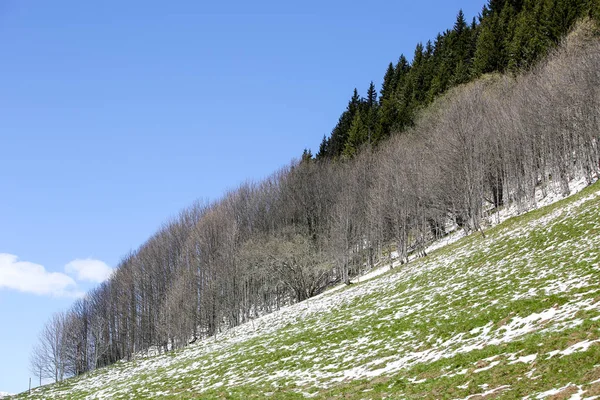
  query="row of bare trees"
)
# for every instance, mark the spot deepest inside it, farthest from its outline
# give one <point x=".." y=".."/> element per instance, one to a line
<point x="499" y="140"/>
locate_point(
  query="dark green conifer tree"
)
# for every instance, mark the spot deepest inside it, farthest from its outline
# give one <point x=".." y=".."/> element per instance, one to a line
<point x="323" y="149"/>
<point x="494" y="7"/>
<point x="441" y="71"/>
<point x="595" y="10"/>
<point x="507" y="25"/>
<point x="460" y="25"/>
<point x="371" y="114"/>
<point x="356" y="136"/>
<point x="371" y="96"/>
<point x="339" y="135"/>
<point x="417" y="73"/>
<point x="531" y="40"/>
<point x="306" y="156"/>
<point x="460" y="41"/>
<point x="387" y="88"/>
<point x="400" y="73"/>
<point x="488" y="53"/>
<point x="388" y="101"/>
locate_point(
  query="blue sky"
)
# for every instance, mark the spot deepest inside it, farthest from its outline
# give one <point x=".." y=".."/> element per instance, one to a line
<point x="116" y="115"/>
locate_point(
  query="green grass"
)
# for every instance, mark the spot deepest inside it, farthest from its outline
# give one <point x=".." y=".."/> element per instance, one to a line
<point x="450" y="325"/>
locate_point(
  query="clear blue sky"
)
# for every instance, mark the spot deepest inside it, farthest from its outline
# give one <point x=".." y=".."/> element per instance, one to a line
<point x="115" y="115"/>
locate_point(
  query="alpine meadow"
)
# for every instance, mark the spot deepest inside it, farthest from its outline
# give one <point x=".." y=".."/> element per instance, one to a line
<point x="442" y="242"/>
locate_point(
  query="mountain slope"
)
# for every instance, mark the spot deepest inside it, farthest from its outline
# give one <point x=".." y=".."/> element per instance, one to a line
<point x="515" y="313"/>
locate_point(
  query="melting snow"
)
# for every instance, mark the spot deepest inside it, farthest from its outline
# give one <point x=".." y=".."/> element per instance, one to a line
<point x="366" y="357"/>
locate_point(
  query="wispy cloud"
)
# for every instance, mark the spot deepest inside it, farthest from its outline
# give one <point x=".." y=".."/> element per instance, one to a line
<point x="29" y="277"/>
<point x="89" y="270"/>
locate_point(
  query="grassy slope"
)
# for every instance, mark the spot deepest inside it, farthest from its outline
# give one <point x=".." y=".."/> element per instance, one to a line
<point x="511" y="315"/>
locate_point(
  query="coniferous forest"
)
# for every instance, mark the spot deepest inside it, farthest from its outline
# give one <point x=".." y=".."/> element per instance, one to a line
<point x="509" y="36"/>
<point x="491" y="112"/>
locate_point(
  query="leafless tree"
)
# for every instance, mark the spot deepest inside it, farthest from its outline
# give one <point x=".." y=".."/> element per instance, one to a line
<point x="497" y="141"/>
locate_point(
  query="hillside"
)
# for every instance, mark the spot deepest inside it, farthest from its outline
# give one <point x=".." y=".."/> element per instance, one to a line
<point x="515" y="313"/>
<point x="495" y="142"/>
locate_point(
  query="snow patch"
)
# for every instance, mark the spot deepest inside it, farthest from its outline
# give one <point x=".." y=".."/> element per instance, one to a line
<point x="525" y="359"/>
<point x="488" y="392"/>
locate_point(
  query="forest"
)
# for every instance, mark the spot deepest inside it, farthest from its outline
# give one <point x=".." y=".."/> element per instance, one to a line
<point x="509" y="36"/>
<point x="491" y="113"/>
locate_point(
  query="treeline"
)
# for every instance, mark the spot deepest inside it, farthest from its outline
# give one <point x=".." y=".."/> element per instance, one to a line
<point x="508" y="35"/>
<point x="316" y="223"/>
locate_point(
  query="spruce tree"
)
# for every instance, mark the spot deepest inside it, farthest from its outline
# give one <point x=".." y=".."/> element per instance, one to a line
<point x="531" y="39"/>
<point x="418" y="77"/>
<point x="306" y="156"/>
<point x="400" y="72"/>
<point x="356" y="136"/>
<point x="507" y="25"/>
<point x="387" y="117"/>
<point x="461" y="23"/>
<point x="339" y="134"/>
<point x="494" y="7"/>
<point x="387" y="88"/>
<point x="371" y="114"/>
<point x="561" y="15"/>
<point x="488" y="53"/>
<point x="461" y="73"/>
<point x="323" y="149"/>
<point x="439" y="69"/>
<point x="371" y="96"/>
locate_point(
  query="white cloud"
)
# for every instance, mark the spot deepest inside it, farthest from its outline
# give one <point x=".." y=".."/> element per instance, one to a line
<point x="29" y="277"/>
<point x="89" y="270"/>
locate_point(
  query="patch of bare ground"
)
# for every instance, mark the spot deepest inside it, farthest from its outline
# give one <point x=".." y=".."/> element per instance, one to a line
<point x="429" y="375"/>
<point x="504" y="321"/>
<point x="565" y="394"/>
<point x="593" y="390"/>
